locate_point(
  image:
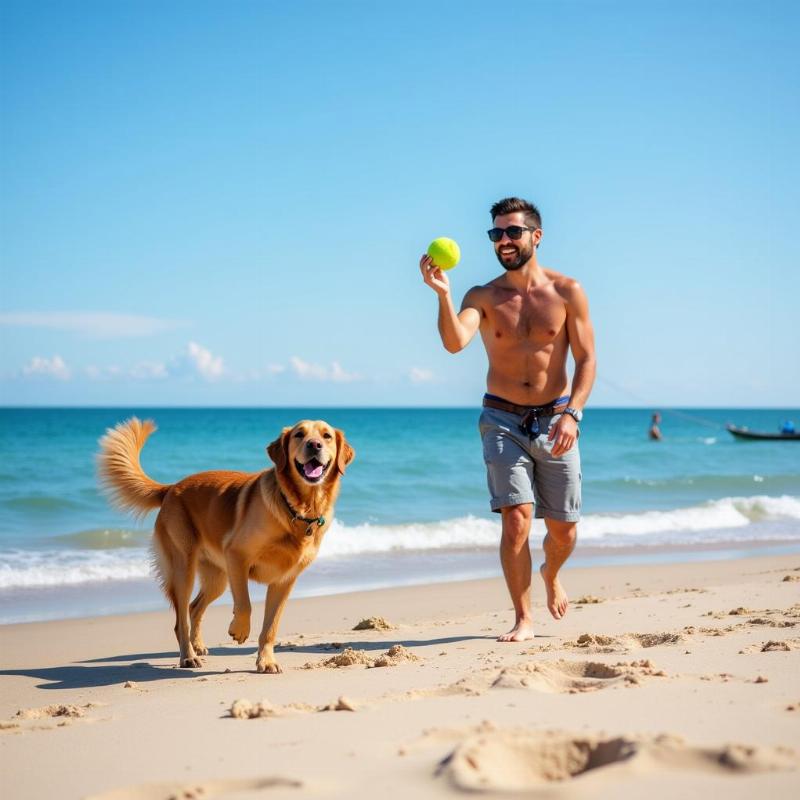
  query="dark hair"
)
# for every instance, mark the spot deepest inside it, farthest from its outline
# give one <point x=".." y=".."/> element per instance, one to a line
<point x="509" y="205"/>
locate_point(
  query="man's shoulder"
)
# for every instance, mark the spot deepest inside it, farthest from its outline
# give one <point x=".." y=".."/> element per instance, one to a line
<point x="567" y="287"/>
<point x="480" y="291"/>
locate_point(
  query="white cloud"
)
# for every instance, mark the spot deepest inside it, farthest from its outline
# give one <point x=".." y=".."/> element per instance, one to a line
<point x="102" y="325"/>
<point x="338" y="375"/>
<point x="275" y="369"/>
<point x="307" y="371"/>
<point x="54" y="367"/>
<point x="420" y="375"/>
<point x="203" y="362"/>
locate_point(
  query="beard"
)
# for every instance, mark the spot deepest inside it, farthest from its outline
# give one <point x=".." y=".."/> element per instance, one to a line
<point x="515" y="262"/>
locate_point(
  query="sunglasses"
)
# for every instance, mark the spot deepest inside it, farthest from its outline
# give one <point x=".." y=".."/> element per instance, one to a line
<point x="514" y="232"/>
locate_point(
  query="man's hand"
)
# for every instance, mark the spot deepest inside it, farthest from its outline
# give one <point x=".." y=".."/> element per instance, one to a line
<point x="563" y="434"/>
<point x="433" y="276"/>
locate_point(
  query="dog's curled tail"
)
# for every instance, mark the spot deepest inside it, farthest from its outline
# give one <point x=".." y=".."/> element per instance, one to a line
<point x="120" y="472"/>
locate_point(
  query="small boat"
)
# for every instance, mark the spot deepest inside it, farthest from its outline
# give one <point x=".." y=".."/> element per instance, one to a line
<point x="746" y="433"/>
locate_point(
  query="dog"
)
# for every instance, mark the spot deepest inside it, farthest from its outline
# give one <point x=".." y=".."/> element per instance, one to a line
<point x="228" y="527"/>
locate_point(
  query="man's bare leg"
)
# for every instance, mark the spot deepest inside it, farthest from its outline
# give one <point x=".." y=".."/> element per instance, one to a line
<point x="558" y="544"/>
<point x="515" y="556"/>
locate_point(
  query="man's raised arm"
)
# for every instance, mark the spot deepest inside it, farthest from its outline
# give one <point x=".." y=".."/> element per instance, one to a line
<point x="456" y="330"/>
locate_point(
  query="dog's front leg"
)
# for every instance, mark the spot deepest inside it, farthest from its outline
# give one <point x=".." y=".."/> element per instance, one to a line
<point x="277" y="595"/>
<point x="238" y="569"/>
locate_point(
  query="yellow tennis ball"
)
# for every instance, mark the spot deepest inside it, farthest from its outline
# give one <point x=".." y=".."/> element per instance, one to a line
<point x="444" y="252"/>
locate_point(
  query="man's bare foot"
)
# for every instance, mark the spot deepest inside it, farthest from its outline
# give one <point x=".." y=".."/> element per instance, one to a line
<point x="521" y="632"/>
<point x="557" y="600"/>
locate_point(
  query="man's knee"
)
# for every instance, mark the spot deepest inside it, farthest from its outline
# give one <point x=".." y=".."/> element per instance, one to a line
<point x="517" y="524"/>
<point x="562" y="532"/>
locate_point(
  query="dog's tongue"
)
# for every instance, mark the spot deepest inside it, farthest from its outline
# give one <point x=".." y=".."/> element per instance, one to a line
<point x="312" y="471"/>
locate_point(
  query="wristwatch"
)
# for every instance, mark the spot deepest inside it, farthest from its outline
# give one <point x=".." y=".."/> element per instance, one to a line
<point x="574" y="413"/>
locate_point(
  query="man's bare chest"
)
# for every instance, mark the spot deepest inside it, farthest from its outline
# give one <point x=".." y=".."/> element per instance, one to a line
<point x="529" y="318"/>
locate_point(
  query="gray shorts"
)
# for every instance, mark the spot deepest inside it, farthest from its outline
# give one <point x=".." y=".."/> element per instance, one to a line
<point x="520" y="468"/>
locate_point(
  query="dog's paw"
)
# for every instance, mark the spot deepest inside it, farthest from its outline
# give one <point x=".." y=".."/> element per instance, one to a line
<point x="200" y="648"/>
<point x="268" y="667"/>
<point x="239" y="629"/>
<point x="191" y="663"/>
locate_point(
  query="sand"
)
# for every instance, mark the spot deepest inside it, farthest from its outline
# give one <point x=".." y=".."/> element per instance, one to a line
<point x="678" y="680"/>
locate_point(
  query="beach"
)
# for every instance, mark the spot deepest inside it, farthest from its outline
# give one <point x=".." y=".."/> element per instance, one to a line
<point x="663" y="680"/>
<point x="673" y="674"/>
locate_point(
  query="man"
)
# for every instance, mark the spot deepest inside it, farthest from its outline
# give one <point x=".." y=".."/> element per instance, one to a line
<point x="529" y="317"/>
<point x="655" y="431"/>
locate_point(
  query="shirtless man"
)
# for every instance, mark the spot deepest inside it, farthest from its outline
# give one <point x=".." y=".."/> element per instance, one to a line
<point x="529" y="317"/>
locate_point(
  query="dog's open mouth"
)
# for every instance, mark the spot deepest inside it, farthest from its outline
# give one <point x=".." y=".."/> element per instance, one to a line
<point x="313" y="470"/>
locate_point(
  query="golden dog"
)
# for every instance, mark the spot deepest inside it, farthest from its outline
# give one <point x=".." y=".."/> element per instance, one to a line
<point x="231" y="526"/>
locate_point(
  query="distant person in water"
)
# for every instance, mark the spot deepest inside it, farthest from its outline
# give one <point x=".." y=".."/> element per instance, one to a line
<point x="655" y="431"/>
<point x="788" y="427"/>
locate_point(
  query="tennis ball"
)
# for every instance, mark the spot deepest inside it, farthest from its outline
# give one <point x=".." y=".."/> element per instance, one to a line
<point x="444" y="252"/>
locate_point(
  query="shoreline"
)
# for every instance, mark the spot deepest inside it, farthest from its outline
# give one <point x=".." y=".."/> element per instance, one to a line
<point x="693" y="666"/>
<point x="336" y="576"/>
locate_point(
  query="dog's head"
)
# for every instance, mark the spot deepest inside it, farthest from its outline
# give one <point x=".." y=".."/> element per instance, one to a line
<point x="312" y="452"/>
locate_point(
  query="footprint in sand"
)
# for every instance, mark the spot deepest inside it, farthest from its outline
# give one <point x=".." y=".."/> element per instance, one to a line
<point x="601" y="643"/>
<point x="574" y="676"/>
<point x="561" y="676"/>
<point x="535" y="762"/>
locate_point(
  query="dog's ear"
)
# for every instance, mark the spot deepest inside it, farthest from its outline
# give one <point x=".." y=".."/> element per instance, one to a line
<point x="344" y="453"/>
<point x="278" y="451"/>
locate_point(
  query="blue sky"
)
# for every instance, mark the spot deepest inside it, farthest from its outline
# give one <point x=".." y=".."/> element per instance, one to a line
<point x="209" y="204"/>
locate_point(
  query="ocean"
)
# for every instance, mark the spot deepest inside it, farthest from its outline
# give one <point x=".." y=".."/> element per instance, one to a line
<point x="413" y="506"/>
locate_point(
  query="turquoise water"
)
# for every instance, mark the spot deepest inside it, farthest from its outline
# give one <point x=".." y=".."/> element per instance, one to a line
<point x="415" y="492"/>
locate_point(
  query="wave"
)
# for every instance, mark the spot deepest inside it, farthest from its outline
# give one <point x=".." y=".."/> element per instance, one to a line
<point x="727" y="514"/>
<point x="42" y="568"/>
<point x="104" y="539"/>
<point x="732" y="519"/>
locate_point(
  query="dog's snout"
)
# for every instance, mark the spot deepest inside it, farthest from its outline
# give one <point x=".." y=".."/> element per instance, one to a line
<point x="314" y="444"/>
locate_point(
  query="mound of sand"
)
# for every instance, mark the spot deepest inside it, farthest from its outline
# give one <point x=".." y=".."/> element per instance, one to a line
<point x="527" y="761"/>
<point x="244" y="709"/>
<point x="787" y="644"/>
<point x="396" y="654"/>
<point x="374" y="624"/>
<point x="349" y="657"/>
<point x="58" y="710"/>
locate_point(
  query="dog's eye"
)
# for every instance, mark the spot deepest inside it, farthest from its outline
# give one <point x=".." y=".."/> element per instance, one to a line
<point x="326" y="435"/>
<point x="299" y="435"/>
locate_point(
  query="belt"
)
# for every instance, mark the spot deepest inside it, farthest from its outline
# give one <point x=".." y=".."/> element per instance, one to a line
<point x="530" y="414"/>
